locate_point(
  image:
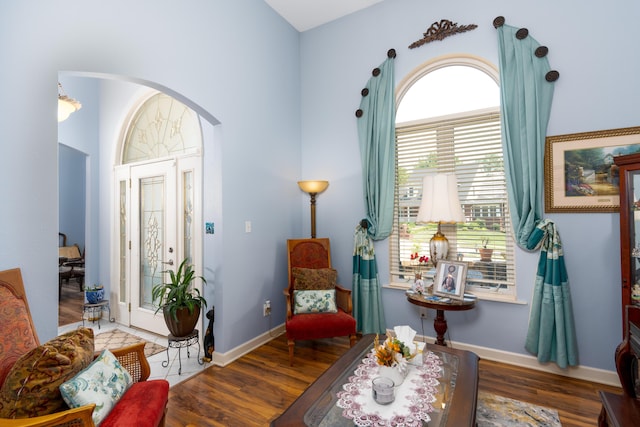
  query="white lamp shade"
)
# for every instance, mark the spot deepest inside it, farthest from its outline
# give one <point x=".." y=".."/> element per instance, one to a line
<point x="440" y="201"/>
<point x="66" y="106"/>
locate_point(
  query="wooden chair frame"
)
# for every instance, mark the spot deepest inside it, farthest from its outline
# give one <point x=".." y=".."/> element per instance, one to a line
<point x="343" y="295"/>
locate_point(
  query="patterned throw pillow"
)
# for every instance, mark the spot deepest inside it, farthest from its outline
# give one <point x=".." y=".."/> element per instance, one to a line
<point x="103" y="382"/>
<point x="314" y="278"/>
<point x="317" y="301"/>
<point x="31" y="386"/>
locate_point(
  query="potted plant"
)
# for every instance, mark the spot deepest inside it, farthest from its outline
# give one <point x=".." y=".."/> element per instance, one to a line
<point x="94" y="293"/>
<point x="485" y="252"/>
<point x="179" y="300"/>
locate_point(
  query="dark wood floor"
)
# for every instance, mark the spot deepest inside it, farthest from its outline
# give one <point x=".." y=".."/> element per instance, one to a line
<point x="259" y="386"/>
<point x="70" y="304"/>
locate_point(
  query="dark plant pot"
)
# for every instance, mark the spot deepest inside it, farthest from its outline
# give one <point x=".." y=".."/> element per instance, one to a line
<point x="485" y="254"/>
<point x="186" y="322"/>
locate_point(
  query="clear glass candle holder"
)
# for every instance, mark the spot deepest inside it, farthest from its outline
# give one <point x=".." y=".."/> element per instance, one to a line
<point x="383" y="390"/>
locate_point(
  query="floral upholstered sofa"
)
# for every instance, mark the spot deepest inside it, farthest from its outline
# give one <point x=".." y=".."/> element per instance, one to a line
<point x="63" y="382"/>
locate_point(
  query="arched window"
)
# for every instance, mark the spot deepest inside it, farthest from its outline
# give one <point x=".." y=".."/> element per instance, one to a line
<point x="448" y="120"/>
<point x="162" y="127"/>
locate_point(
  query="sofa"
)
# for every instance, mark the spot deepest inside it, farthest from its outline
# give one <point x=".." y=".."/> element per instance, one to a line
<point x="64" y="382"/>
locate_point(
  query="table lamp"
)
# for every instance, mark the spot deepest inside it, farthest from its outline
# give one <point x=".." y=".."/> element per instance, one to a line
<point x="313" y="188"/>
<point x="440" y="203"/>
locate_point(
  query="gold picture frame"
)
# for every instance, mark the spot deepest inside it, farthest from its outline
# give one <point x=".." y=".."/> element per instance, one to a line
<point x="450" y="279"/>
<point x="579" y="173"/>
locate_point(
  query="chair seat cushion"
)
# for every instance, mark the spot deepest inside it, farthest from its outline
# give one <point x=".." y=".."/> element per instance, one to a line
<point x="320" y="325"/>
<point x="143" y="405"/>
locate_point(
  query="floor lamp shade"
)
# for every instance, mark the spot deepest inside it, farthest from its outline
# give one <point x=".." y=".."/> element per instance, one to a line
<point x="440" y="203"/>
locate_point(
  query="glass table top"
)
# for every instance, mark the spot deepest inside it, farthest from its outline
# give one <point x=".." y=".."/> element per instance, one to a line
<point x="326" y="413"/>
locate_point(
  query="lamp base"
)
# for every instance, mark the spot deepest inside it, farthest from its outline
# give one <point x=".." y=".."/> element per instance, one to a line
<point x="438" y="247"/>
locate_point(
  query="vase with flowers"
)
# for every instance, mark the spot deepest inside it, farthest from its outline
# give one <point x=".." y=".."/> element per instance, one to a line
<point x="420" y="262"/>
<point x="393" y="357"/>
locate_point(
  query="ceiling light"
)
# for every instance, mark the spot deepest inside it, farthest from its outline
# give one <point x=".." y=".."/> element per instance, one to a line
<point x="66" y="105"/>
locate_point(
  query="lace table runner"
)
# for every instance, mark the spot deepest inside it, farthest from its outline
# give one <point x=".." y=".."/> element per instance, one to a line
<point x="413" y="401"/>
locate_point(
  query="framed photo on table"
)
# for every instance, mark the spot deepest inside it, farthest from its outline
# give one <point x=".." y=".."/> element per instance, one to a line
<point x="450" y="279"/>
<point x="579" y="172"/>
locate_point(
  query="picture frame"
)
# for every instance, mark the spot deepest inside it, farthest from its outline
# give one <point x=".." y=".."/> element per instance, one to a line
<point x="450" y="279"/>
<point x="579" y="171"/>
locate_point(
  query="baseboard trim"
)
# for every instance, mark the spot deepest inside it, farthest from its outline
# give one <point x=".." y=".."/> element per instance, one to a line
<point x="223" y="359"/>
<point x="586" y="373"/>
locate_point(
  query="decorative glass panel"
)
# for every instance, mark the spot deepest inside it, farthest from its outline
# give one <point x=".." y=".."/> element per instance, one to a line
<point x="123" y="241"/>
<point x="188" y="213"/>
<point x="152" y="215"/>
<point x="162" y="127"/>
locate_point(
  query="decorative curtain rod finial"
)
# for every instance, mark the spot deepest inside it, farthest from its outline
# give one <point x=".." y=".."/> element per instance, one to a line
<point x="441" y="30"/>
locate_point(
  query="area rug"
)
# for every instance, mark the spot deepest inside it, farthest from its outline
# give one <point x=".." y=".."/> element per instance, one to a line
<point x="117" y="338"/>
<point x="498" y="411"/>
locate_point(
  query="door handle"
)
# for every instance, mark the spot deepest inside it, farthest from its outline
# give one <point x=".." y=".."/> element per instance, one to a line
<point x="170" y="262"/>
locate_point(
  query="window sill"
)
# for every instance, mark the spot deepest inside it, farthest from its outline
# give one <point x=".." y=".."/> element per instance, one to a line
<point x="485" y="296"/>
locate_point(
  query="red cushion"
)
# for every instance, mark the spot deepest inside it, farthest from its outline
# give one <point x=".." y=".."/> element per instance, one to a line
<point x="320" y="325"/>
<point x="141" y="406"/>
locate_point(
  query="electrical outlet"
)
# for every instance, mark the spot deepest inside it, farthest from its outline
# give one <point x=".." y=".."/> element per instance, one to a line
<point x="423" y="313"/>
<point x="266" y="308"/>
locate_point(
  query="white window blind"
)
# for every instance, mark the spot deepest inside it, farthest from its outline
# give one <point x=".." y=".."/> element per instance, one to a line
<point x="468" y="144"/>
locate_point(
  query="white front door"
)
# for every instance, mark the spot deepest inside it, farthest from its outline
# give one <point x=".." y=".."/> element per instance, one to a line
<point x="153" y="239"/>
<point x="158" y="212"/>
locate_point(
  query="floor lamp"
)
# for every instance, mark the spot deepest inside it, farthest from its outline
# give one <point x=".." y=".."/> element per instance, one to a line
<point x="440" y="203"/>
<point x="313" y="188"/>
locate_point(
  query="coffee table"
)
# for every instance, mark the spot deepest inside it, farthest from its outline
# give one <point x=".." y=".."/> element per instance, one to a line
<point x="316" y="407"/>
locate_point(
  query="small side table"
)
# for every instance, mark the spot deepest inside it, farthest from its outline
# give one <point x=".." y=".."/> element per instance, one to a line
<point x="99" y="306"/>
<point x="181" y="342"/>
<point x="440" y="323"/>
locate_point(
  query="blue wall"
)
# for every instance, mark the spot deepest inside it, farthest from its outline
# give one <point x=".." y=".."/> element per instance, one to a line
<point x="285" y="102"/>
<point x="72" y="191"/>
<point x="337" y="60"/>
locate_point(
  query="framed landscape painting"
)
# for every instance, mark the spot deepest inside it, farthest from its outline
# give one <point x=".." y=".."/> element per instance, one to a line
<point x="579" y="172"/>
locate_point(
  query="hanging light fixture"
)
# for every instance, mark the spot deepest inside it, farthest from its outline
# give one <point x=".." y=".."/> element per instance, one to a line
<point x="66" y="105"/>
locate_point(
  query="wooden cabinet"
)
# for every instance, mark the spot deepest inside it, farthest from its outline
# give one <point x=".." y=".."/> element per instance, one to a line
<point x="629" y="176"/>
<point x="624" y="409"/>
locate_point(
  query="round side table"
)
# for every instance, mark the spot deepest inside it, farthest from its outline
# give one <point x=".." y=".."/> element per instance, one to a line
<point x="440" y="323"/>
<point x="182" y="342"/>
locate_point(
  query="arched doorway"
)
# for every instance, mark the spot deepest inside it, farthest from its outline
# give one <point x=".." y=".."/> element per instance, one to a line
<point x="159" y="203"/>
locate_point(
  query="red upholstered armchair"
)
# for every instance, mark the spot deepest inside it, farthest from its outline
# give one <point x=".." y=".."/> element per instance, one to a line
<point x="317" y="307"/>
<point x="34" y="402"/>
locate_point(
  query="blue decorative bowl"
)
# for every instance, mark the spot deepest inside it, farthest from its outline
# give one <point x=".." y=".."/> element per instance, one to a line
<point x="94" y="297"/>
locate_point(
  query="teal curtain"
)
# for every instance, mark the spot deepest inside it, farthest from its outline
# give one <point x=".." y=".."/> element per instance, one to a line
<point x="367" y="300"/>
<point x="526" y="97"/>
<point x="551" y="329"/>
<point x="376" y="134"/>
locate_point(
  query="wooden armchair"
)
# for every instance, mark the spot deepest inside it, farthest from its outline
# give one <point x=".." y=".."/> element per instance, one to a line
<point x="315" y="254"/>
<point x="70" y="263"/>
<point x="18" y="337"/>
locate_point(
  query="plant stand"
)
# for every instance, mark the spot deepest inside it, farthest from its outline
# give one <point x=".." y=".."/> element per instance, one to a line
<point x="181" y="342"/>
<point x="98" y="307"/>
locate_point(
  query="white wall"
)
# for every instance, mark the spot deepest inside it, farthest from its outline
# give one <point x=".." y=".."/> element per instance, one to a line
<point x="592" y="48"/>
